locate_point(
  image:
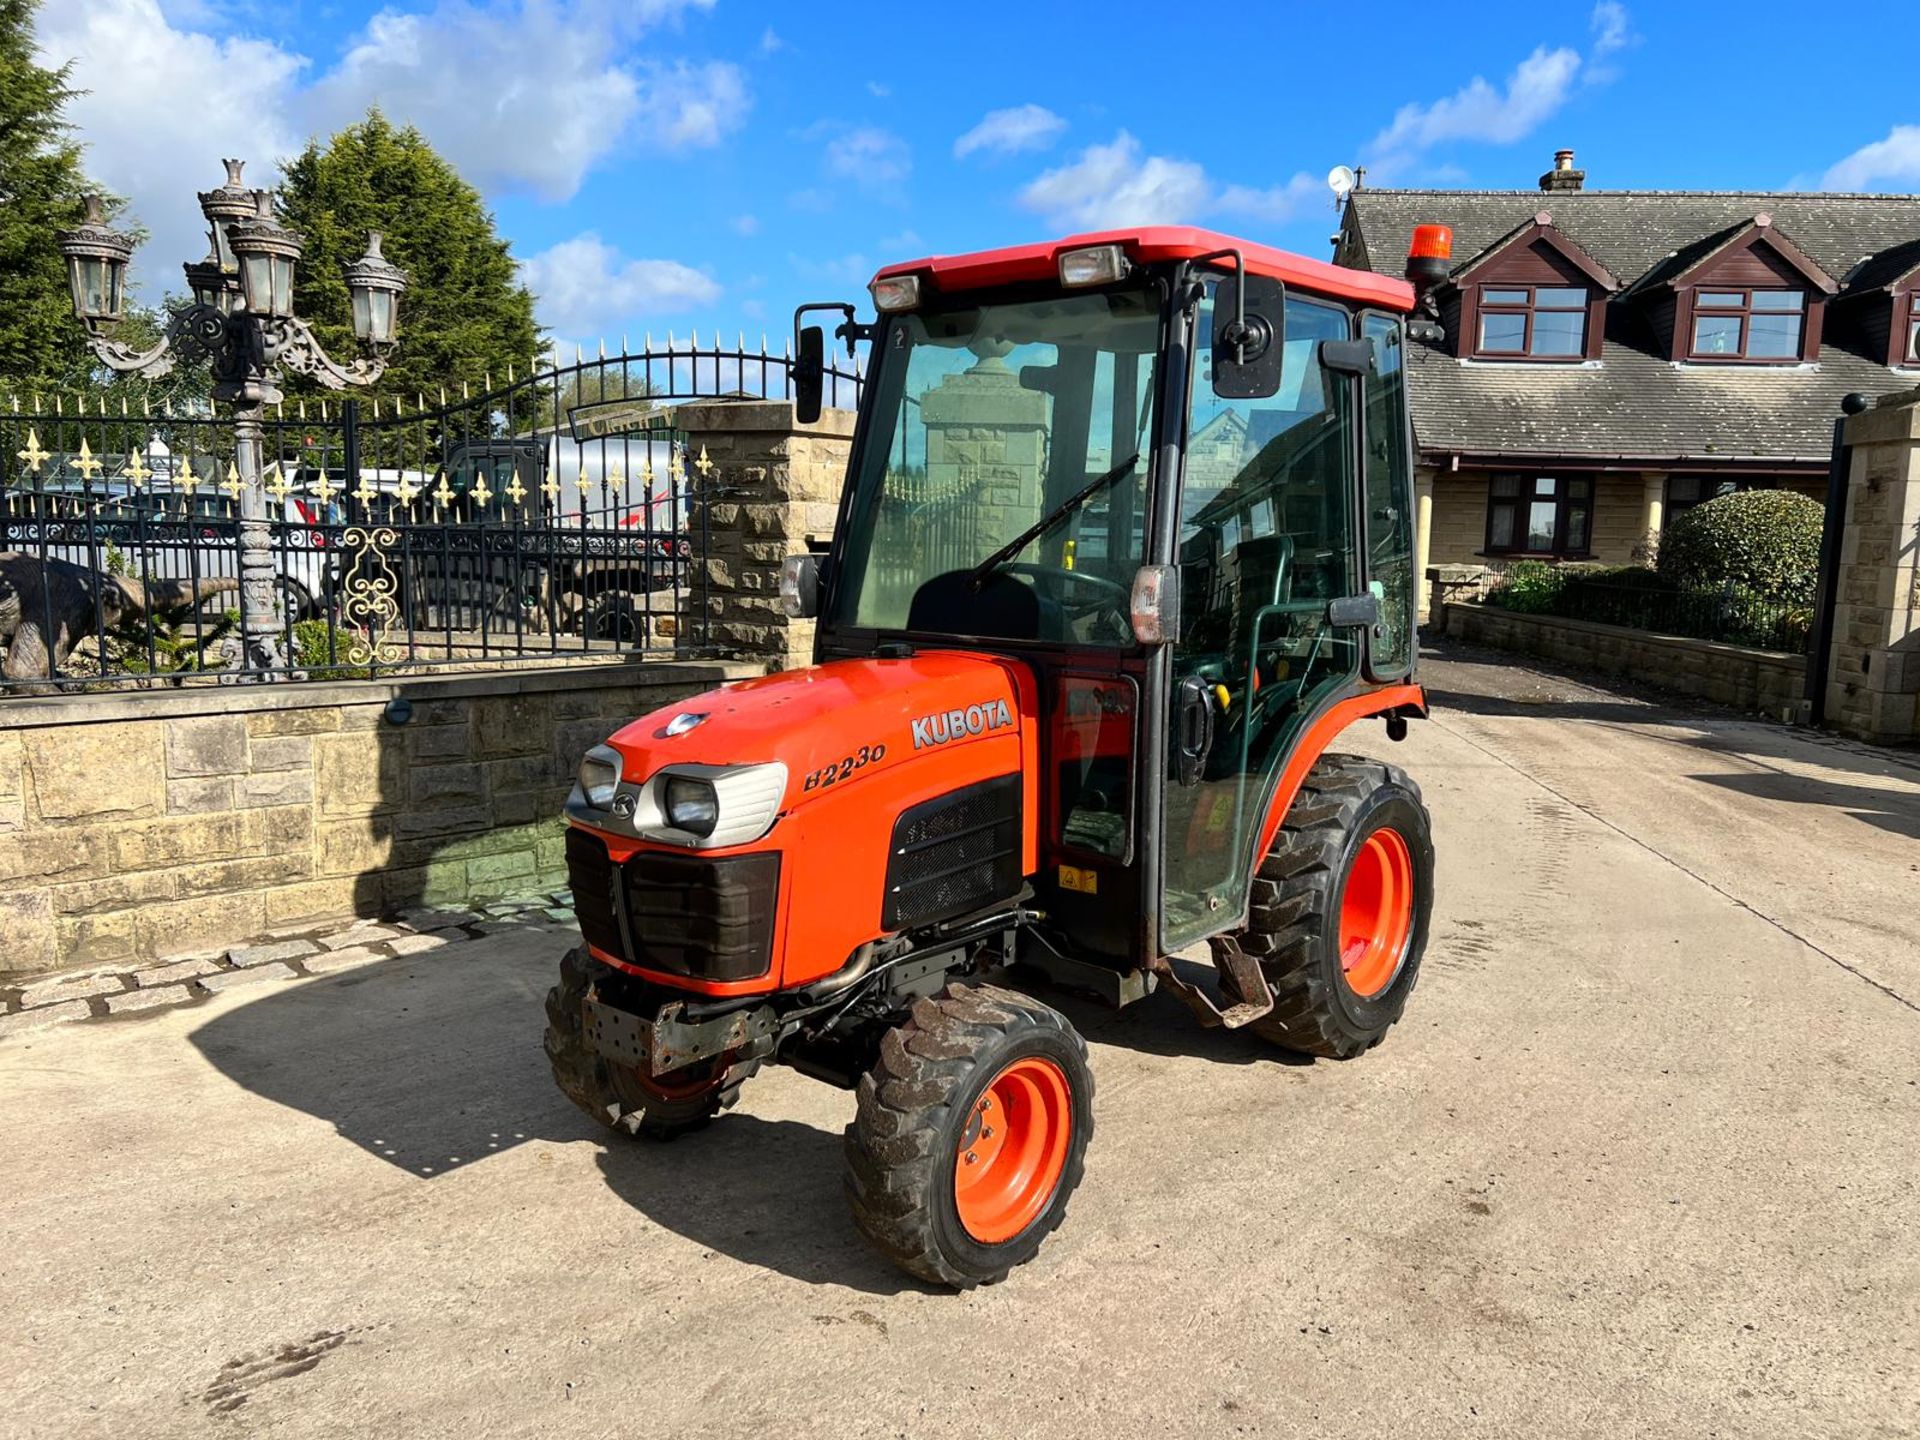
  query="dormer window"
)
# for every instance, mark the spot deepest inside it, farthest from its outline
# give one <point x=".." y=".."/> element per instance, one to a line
<point x="1748" y="324"/>
<point x="1913" y="327"/>
<point x="1546" y="322"/>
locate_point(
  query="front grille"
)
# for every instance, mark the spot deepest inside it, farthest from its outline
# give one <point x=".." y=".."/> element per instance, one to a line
<point x="686" y="915"/>
<point x="955" y="854"/>
<point x="590" y="874"/>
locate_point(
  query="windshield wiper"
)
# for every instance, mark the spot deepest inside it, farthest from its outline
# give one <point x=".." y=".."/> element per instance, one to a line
<point x="978" y="575"/>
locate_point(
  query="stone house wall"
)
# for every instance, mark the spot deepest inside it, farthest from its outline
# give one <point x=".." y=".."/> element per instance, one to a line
<point x="139" y="827"/>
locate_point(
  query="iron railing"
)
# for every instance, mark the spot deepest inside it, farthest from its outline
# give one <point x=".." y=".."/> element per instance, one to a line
<point x="1731" y="616"/>
<point x="553" y="516"/>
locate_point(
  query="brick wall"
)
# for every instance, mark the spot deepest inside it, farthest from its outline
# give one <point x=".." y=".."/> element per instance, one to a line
<point x="1760" y="680"/>
<point x="140" y="827"/>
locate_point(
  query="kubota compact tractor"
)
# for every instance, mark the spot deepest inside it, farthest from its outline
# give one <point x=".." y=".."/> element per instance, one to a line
<point x="1126" y="542"/>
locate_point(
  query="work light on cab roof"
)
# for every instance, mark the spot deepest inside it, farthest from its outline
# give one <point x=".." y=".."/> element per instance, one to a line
<point x="1124" y="547"/>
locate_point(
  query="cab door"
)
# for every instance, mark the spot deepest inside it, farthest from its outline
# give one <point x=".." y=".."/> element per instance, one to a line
<point x="1268" y="536"/>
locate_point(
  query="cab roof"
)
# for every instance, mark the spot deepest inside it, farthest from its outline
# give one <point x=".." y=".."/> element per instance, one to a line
<point x="1154" y="244"/>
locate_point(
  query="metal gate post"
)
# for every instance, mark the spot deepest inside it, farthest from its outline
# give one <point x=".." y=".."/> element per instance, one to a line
<point x="1820" y="653"/>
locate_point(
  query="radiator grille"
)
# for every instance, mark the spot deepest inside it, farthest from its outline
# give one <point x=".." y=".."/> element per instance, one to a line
<point x="687" y="915"/>
<point x="955" y="854"/>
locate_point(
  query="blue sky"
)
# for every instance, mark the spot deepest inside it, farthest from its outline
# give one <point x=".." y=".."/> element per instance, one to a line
<point x="676" y="164"/>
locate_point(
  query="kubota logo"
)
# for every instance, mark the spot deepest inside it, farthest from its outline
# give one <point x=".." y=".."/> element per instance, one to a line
<point x="945" y="725"/>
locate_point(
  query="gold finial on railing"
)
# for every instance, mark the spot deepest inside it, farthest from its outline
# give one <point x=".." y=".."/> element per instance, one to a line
<point x="323" y="487"/>
<point x="584" y="486"/>
<point x="365" y="492"/>
<point x="275" y="484"/>
<point x="406" y="492"/>
<point x="232" y="484"/>
<point x="480" y="491"/>
<point x="136" y="469"/>
<point x="550" y="487"/>
<point x="33" y="455"/>
<point x="443" y="496"/>
<point x="516" y="492"/>
<point x="84" y="463"/>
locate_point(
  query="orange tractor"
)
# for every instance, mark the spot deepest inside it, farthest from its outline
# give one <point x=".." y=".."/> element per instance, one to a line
<point x="1126" y="543"/>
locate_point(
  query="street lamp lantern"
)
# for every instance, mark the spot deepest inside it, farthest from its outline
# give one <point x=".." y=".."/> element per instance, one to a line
<point x="374" y="283"/>
<point x="266" y="250"/>
<point x="96" y="266"/>
<point x="222" y="207"/>
<point x="241" y="322"/>
<point x="211" y="286"/>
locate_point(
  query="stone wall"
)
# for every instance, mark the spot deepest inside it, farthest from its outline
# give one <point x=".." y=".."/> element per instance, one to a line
<point x="1873" y="681"/>
<point x="1761" y="680"/>
<point x="763" y="483"/>
<point x="145" y="826"/>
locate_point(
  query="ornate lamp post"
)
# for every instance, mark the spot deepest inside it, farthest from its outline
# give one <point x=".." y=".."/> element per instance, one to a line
<point x="242" y="323"/>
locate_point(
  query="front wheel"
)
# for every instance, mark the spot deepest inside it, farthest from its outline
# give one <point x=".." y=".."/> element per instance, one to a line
<point x="971" y="1134"/>
<point x="1341" y="907"/>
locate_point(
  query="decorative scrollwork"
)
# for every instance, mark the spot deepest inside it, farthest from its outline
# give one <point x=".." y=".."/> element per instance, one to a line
<point x="291" y="345"/>
<point x="369" y="606"/>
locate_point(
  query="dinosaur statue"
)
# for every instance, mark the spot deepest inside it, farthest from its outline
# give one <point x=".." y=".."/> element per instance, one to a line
<point x="48" y="606"/>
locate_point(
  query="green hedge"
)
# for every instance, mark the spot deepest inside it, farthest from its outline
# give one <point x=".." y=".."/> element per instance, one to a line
<point x="1642" y="599"/>
<point x="1765" y="542"/>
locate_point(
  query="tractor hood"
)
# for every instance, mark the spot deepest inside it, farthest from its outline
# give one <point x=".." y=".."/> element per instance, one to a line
<point x="826" y="722"/>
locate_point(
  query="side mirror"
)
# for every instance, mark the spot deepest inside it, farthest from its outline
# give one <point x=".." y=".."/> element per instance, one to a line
<point x="800" y="584"/>
<point x="810" y="375"/>
<point x="1249" y="335"/>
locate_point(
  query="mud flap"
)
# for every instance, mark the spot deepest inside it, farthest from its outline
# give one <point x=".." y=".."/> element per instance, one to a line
<point x="1234" y="964"/>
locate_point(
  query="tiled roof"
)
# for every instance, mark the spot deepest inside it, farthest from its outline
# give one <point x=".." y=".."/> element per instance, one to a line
<point x="1635" y="404"/>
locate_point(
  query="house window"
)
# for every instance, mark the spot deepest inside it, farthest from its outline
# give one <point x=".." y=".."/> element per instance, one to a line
<point x="1748" y="324"/>
<point x="1684" y="492"/>
<point x="1913" y="328"/>
<point x="1545" y="322"/>
<point x="1539" y="515"/>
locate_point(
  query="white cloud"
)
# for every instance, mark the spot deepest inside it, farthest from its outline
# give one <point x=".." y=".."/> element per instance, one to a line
<point x="584" y="282"/>
<point x="525" y="95"/>
<point x="1023" y="127"/>
<point x="770" y="42"/>
<point x="1892" y="163"/>
<point x="869" y="156"/>
<point x="1612" y="30"/>
<point x="1478" y="111"/>
<point x="1114" y="185"/>
<point x="745" y="224"/>
<point x="877" y="90"/>
<point x="693" y="106"/>
<point x="159" y="107"/>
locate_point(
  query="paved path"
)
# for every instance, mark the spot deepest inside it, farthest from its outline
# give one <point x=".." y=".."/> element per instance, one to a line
<point x="1639" y="1162"/>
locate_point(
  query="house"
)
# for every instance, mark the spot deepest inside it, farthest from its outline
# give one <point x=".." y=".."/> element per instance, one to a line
<point x="1612" y="357"/>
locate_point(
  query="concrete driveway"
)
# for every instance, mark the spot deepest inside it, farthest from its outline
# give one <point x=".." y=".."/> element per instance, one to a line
<point x="1640" y="1161"/>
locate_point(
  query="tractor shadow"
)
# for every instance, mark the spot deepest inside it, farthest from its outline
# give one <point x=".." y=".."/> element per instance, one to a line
<point x="434" y="1062"/>
<point x="1161" y="1024"/>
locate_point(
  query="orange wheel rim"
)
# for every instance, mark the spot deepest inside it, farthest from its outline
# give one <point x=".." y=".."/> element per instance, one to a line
<point x="1013" y="1150"/>
<point x="1376" y="913"/>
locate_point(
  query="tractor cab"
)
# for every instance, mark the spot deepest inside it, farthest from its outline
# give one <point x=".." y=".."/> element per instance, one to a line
<point x="1126" y="541"/>
<point x="1169" y="475"/>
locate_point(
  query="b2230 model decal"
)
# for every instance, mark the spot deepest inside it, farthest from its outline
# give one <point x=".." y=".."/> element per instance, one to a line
<point x="944" y="726"/>
<point x="840" y="769"/>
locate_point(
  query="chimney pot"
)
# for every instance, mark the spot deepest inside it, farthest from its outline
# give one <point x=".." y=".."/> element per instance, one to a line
<point x="1563" y="176"/>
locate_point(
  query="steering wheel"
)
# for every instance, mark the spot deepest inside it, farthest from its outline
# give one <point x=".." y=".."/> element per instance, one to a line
<point x="1108" y="598"/>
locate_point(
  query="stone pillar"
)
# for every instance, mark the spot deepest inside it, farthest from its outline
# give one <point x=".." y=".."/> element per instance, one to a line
<point x="986" y="437"/>
<point x="1653" y="513"/>
<point x="1873" y="678"/>
<point x="760" y="484"/>
<point x="1422" y="535"/>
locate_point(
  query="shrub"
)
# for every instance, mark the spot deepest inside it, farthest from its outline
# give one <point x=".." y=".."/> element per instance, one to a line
<point x="1529" y="587"/>
<point x="1763" y="541"/>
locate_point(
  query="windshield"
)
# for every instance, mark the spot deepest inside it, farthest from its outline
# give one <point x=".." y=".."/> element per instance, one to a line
<point x="987" y="418"/>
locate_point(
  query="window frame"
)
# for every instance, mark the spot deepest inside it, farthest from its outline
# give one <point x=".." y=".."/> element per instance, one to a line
<point x="1564" y="502"/>
<point x="1906" y="324"/>
<point x="1807" y="312"/>
<point x="1483" y="307"/>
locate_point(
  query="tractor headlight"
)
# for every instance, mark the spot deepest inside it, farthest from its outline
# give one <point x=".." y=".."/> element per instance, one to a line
<point x="692" y="805"/>
<point x="599" y="776"/>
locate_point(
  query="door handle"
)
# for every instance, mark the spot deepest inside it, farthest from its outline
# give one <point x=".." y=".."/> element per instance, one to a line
<point x="1194" y="733"/>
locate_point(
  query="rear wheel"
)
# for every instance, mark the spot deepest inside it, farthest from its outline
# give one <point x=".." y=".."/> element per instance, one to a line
<point x="970" y="1136"/>
<point x="1341" y="907"/>
<point x="659" y="1107"/>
